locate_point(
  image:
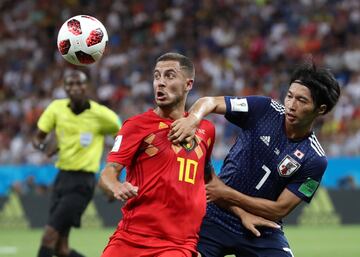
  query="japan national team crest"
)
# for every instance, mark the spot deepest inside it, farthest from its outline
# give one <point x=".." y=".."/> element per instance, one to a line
<point x="287" y="166"/>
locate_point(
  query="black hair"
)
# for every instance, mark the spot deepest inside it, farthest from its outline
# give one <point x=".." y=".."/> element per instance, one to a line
<point x="321" y="82"/>
<point x="75" y="73"/>
<point x="185" y="62"/>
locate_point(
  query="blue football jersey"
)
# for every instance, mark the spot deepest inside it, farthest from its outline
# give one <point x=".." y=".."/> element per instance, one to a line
<point x="263" y="161"/>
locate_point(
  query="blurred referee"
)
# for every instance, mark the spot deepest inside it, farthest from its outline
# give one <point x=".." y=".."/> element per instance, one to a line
<point x="80" y="125"/>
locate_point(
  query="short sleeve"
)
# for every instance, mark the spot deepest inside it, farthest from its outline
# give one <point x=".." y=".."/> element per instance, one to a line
<point x="126" y="143"/>
<point x="47" y="119"/>
<point x="211" y="140"/>
<point x="111" y="122"/>
<point x="306" y="181"/>
<point x="245" y="111"/>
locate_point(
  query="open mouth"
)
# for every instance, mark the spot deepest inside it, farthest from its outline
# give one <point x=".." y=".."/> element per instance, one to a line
<point x="291" y="117"/>
<point x="160" y="95"/>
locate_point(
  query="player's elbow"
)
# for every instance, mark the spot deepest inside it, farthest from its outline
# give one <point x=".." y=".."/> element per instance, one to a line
<point x="281" y="211"/>
<point x="279" y="215"/>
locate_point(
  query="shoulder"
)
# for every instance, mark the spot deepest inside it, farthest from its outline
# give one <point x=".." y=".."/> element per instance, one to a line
<point x="315" y="146"/>
<point x="312" y="155"/>
<point x="140" y="120"/>
<point x="103" y="111"/>
<point x="206" y="129"/>
<point x="58" y="104"/>
<point x="142" y="116"/>
<point x="207" y="126"/>
<point x="205" y="122"/>
<point x="276" y="106"/>
<point x="99" y="107"/>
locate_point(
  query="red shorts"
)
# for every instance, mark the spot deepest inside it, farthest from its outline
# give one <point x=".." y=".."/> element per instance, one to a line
<point x="125" y="244"/>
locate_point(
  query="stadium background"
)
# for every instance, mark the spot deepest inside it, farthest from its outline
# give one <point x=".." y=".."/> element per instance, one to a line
<point x="239" y="48"/>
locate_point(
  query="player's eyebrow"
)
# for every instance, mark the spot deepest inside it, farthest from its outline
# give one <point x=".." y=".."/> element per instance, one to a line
<point x="301" y="97"/>
<point x="167" y="70"/>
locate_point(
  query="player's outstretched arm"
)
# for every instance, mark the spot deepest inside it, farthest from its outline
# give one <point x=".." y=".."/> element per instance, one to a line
<point x="216" y="190"/>
<point x="112" y="186"/>
<point x="183" y="130"/>
<point x="251" y="221"/>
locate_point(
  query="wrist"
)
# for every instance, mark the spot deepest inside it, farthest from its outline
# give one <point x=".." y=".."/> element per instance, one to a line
<point x="113" y="185"/>
<point x="196" y="117"/>
<point x="41" y="146"/>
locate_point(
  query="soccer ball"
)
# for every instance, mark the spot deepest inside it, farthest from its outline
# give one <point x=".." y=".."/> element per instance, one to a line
<point x="82" y="40"/>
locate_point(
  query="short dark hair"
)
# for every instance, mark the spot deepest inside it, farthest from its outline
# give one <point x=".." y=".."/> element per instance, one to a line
<point x="75" y="73"/>
<point x="185" y="62"/>
<point x="321" y="82"/>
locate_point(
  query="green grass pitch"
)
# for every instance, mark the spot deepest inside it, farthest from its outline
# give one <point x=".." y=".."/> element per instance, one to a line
<point x="318" y="241"/>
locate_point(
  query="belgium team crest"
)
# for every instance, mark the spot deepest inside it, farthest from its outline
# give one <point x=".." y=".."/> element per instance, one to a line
<point x="189" y="146"/>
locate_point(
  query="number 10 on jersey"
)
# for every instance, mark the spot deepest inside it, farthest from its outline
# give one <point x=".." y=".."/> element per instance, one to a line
<point x="187" y="170"/>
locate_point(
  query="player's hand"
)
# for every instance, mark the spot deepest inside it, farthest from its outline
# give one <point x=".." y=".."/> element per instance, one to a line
<point x="183" y="129"/>
<point x="251" y="221"/>
<point x="215" y="189"/>
<point x="124" y="191"/>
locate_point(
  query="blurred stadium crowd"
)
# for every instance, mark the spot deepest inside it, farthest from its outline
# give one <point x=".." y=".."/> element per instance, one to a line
<point x="239" y="48"/>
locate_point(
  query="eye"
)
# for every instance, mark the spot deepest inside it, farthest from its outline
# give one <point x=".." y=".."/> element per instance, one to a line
<point x="170" y="75"/>
<point x="156" y="76"/>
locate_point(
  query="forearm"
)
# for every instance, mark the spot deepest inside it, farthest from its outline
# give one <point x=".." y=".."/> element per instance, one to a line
<point x="233" y="206"/>
<point x="113" y="187"/>
<point x="268" y="209"/>
<point x="109" y="178"/>
<point x="206" y="105"/>
<point x="38" y="140"/>
<point x="183" y="130"/>
<point x="238" y="211"/>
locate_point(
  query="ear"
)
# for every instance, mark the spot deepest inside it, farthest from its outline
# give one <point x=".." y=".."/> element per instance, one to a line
<point x="189" y="84"/>
<point x="322" y="109"/>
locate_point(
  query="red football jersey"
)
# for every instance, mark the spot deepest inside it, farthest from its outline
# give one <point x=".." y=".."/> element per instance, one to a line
<point x="171" y="200"/>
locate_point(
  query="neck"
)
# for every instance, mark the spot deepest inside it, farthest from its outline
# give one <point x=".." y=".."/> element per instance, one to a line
<point x="169" y="113"/>
<point x="79" y="106"/>
<point x="297" y="132"/>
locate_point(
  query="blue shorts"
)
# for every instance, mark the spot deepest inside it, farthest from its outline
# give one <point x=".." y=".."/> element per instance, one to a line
<point x="217" y="241"/>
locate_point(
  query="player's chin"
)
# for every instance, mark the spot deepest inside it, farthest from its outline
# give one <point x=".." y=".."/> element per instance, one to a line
<point x="291" y="120"/>
<point x="76" y="97"/>
<point x="162" y="103"/>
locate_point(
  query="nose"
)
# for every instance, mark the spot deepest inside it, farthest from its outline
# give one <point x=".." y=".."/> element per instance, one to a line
<point x="292" y="104"/>
<point x="160" y="82"/>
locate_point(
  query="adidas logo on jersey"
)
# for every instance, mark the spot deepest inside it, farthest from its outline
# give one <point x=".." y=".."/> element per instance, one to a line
<point x="265" y="139"/>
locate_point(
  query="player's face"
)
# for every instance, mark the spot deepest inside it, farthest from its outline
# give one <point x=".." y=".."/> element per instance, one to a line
<point x="300" y="108"/>
<point x="170" y="84"/>
<point x="75" y="87"/>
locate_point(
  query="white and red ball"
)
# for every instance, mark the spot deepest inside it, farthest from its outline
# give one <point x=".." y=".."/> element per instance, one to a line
<point x="82" y="40"/>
